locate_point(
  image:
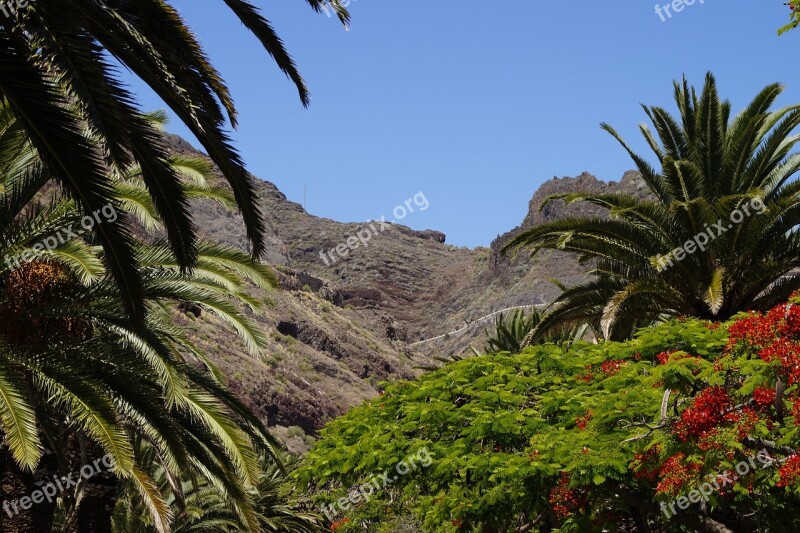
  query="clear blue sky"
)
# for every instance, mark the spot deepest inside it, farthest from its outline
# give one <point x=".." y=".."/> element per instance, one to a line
<point x="473" y="103"/>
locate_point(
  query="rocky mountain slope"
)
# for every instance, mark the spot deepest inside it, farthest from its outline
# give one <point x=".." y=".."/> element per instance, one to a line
<point x="339" y="328"/>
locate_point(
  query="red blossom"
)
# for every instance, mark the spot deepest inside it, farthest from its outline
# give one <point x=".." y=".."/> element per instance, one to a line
<point x="663" y="357"/>
<point x="706" y="412"/>
<point x="645" y="465"/>
<point x="754" y="330"/>
<point x="788" y="352"/>
<point x="790" y="471"/>
<point x="677" y="474"/>
<point x="610" y="368"/>
<point x="795" y="410"/>
<point x="565" y="501"/>
<point x="744" y="421"/>
<point x="786" y="320"/>
<point x="582" y="421"/>
<point x="764" y="397"/>
<point x="713" y="439"/>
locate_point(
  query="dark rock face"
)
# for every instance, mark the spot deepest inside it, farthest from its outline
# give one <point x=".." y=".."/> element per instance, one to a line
<point x="540" y="211"/>
<point x="298" y="408"/>
<point x="436" y="236"/>
<point x="291" y="280"/>
<point x="362" y="297"/>
<point x="289" y="329"/>
<point x="190" y="308"/>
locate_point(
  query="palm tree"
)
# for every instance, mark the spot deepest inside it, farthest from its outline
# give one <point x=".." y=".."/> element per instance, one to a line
<point x="510" y="332"/>
<point x="513" y="333"/>
<point x="716" y="236"/>
<point x="78" y="377"/>
<point x="56" y="80"/>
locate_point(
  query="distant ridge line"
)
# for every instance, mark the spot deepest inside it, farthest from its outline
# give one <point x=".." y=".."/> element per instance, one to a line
<point x="477" y="321"/>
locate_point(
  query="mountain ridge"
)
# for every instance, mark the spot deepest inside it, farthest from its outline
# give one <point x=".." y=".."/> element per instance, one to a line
<point x="339" y="329"/>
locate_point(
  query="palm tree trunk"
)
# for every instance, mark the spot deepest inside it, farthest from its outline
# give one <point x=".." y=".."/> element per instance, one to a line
<point x="94" y="513"/>
<point x="20" y="512"/>
<point x="99" y="496"/>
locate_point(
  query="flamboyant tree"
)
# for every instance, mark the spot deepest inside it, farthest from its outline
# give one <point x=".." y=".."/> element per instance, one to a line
<point x="691" y="426"/>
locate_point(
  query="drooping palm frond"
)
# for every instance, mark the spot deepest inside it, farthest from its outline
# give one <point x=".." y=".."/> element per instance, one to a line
<point x="199" y="507"/>
<point x="70" y="352"/>
<point x="58" y="83"/>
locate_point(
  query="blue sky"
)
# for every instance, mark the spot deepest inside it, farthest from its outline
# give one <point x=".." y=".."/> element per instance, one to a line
<point x="473" y="103"/>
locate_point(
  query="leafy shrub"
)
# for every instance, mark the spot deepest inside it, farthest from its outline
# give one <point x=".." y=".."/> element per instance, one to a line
<point x="586" y="439"/>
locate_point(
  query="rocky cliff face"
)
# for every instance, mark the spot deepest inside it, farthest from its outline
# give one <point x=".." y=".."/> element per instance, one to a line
<point x="341" y="325"/>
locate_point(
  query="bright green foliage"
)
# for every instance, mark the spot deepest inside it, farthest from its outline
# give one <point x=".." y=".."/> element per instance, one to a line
<point x="549" y="438"/>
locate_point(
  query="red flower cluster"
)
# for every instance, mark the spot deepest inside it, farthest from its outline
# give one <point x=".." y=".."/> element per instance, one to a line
<point x="610" y="368"/>
<point x="786" y="320"/>
<point x="754" y="330"/>
<point x="788" y="352"/>
<point x="582" y="421"/>
<point x="565" y="501"/>
<point x="663" y="357"/>
<point x="764" y="397"/>
<point x="717" y="438"/>
<point x="758" y="331"/>
<point x="645" y="465"/>
<point x="676" y="474"/>
<point x="706" y="412"/>
<point x="795" y="410"/>
<point x="790" y="471"/>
